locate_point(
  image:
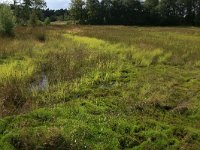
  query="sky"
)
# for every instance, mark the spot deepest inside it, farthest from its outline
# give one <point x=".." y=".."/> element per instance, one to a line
<point x="51" y="4"/>
<point x="57" y="4"/>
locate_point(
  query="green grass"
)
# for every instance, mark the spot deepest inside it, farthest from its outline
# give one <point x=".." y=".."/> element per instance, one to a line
<point x="100" y="87"/>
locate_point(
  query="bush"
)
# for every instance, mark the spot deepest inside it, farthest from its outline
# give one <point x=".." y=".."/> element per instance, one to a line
<point x="40" y="35"/>
<point x="13" y="95"/>
<point x="7" y="20"/>
<point x="34" y="21"/>
<point x="47" y="21"/>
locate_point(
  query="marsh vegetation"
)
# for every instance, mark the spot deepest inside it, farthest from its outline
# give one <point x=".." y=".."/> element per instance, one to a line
<point x="100" y="87"/>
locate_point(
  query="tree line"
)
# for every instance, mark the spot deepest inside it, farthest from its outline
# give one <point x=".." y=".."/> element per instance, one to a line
<point x="136" y="12"/>
<point x="102" y="12"/>
<point x="113" y="12"/>
<point x="35" y="11"/>
<point x="27" y="10"/>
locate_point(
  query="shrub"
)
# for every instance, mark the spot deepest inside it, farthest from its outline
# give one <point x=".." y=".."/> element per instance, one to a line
<point x="47" y="21"/>
<point x="7" y="20"/>
<point x="41" y="36"/>
<point x="34" y="21"/>
<point x="12" y="97"/>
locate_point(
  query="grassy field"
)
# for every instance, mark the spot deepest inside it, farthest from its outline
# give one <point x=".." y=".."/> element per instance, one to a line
<point x="100" y="87"/>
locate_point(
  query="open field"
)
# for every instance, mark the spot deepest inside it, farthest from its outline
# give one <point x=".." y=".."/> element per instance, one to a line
<point x="100" y="87"/>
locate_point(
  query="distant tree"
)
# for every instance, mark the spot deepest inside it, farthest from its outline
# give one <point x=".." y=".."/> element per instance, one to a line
<point x="192" y="9"/>
<point x="49" y="13"/>
<point x="30" y="8"/>
<point x="152" y="12"/>
<point x="106" y="6"/>
<point x="77" y="10"/>
<point x="26" y="11"/>
<point x="38" y="4"/>
<point x="93" y="11"/>
<point x="190" y="14"/>
<point x="117" y="12"/>
<point x="137" y="12"/>
<point x="60" y="14"/>
<point x="151" y="3"/>
<point x="17" y="10"/>
<point x="7" y="20"/>
<point x="197" y="13"/>
<point x="33" y="21"/>
<point x="56" y="15"/>
<point x="133" y="12"/>
<point x="169" y="12"/>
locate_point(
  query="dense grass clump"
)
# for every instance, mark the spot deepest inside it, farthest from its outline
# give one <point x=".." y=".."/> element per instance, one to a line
<point x="90" y="87"/>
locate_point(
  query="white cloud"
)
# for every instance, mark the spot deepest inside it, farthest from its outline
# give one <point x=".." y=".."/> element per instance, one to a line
<point x="52" y="4"/>
<point x="57" y="4"/>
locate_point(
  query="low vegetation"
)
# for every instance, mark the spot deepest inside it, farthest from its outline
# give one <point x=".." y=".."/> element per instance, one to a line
<point x="100" y="87"/>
